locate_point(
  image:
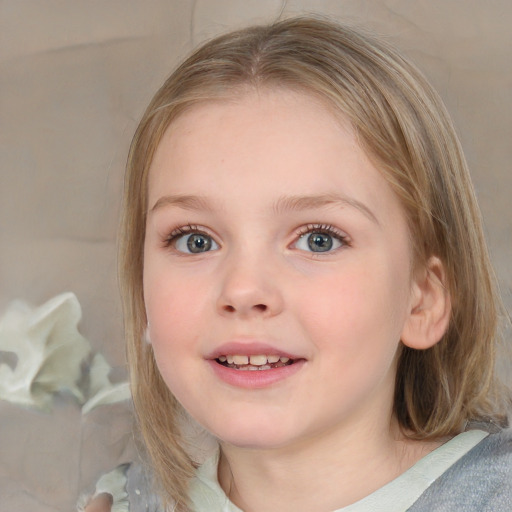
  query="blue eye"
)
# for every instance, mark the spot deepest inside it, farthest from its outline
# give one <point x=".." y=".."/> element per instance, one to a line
<point x="194" y="243"/>
<point x="319" y="240"/>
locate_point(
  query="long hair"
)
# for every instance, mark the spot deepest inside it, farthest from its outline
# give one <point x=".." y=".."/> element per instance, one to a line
<point x="403" y="126"/>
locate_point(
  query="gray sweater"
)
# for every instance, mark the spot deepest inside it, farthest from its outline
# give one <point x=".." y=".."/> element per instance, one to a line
<point x="481" y="481"/>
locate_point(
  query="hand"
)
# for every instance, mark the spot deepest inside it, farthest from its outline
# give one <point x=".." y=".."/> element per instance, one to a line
<point x="100" y="503"/>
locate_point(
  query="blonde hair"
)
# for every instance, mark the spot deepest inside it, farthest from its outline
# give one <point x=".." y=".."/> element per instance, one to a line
<point x="403" y="125"/>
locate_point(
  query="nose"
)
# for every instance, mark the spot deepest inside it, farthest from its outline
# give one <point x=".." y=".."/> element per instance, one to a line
<point x="249" y="289"/>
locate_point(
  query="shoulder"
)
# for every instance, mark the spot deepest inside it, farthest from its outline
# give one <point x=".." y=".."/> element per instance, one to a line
<point x="480" y="481"/>
<point x="491" y="458"/>
<point x="141" y="490"/>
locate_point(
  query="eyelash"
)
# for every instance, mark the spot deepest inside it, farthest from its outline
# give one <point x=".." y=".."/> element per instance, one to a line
<point x="327" y="229"/>
<point x="182" y="230"/>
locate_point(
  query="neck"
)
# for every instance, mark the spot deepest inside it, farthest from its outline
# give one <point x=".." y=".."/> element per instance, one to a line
<point x="325" y="473"/>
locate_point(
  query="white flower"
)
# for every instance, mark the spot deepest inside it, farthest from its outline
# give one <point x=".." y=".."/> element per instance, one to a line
<point x="49" y="351"/>
<point x="101" y="390"/>
<point x="49" y="355"/>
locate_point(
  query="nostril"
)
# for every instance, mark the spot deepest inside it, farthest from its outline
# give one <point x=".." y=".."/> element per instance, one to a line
<point x="258" y="307"/>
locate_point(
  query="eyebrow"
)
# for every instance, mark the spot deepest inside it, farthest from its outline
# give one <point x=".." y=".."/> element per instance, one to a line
<point x="283" y="205"/>
<point x="297" y="203"/>
<point x="187" y="202"/>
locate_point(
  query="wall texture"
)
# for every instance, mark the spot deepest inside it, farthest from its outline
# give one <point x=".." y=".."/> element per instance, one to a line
<point x="75" y="77"/>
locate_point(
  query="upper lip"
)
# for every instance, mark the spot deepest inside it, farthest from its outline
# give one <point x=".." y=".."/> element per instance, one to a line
<point x="249" y="348"/>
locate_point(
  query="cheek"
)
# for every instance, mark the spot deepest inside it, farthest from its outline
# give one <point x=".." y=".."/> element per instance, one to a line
<point x="172" y="313"/>
<point x="352" y="297"/>
<point x="173" y="305"/>
<point x="361" y="310"/>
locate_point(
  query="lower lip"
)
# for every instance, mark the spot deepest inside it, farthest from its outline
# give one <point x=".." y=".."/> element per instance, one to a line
<point x="255" y="379"/>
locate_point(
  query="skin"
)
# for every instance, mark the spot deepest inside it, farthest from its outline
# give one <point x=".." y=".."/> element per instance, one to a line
<point x="101" y="503"/>
<point x="325" y="436"/>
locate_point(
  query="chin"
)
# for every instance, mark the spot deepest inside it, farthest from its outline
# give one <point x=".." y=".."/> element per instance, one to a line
<point x="252" y="435"/>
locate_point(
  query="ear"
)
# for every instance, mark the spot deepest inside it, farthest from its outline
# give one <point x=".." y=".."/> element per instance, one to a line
<point x="147" y="335"/>
<point x="430" y="311"/>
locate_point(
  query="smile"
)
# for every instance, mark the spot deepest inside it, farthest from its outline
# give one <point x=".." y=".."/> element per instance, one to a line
<point x="250" y="364"/>
<point x="253" y="362"/>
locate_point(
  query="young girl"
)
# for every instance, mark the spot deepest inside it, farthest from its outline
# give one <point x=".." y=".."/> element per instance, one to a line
<point x="304" y="273"/>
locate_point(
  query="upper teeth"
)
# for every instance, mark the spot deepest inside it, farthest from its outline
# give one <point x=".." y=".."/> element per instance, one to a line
<point x="255" y="360"/>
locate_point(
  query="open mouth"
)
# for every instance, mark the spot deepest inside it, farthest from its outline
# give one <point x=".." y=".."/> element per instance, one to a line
<point x="254" y="362"/>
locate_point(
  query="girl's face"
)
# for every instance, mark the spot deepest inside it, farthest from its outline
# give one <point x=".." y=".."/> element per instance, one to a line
<point x="277" y="271"/>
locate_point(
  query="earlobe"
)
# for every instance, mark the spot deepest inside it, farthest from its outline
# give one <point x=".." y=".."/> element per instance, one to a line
<point x="147" y="336"/>
<point x="430" y="311"/>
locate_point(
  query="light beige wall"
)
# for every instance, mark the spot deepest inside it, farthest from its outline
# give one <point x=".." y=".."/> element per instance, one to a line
<point x="76" y="75"/>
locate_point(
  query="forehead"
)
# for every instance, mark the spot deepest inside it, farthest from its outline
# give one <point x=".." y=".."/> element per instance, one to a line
<point x="237" y="126"/>
<point x="253" y="111"/>
<point x="270" y="141"/>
